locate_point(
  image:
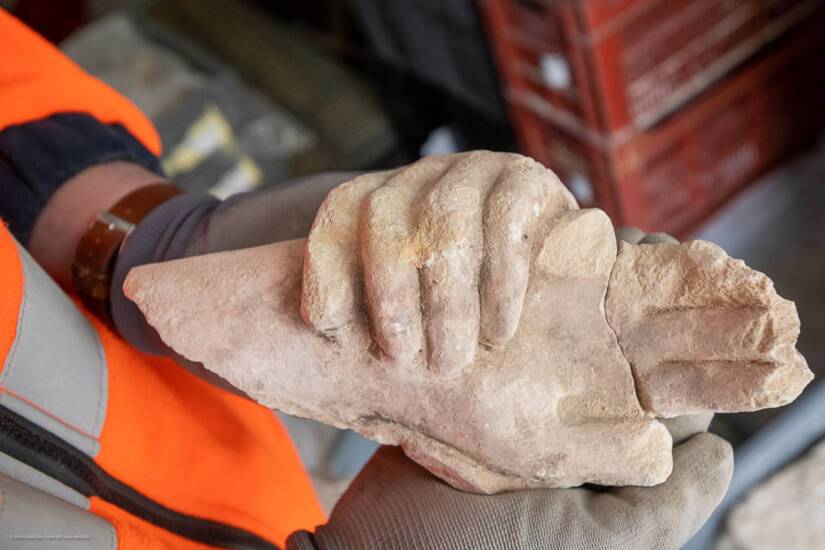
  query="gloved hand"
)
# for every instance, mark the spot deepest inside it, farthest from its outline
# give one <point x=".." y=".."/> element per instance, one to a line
<point x="396" y="504"/>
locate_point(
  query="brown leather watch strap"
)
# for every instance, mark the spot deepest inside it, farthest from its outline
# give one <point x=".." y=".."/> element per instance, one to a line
<point x="94" y="258"/>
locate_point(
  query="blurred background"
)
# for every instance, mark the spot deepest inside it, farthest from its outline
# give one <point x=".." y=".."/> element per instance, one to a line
<point x="700" y="118"/>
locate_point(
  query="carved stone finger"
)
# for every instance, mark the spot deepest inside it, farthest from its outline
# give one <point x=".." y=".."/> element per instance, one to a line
<point x="690" y="319"/>
<point x="450" y="226"/>
<point x="331" y="278"/>
<point x="526" y="193"/>
<point x="390" y="256"/>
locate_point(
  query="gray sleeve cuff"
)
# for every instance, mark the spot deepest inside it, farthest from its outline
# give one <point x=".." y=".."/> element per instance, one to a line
<point x="162" y="235"/>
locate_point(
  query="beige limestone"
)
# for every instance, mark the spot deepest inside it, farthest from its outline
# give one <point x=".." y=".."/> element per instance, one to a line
<point x="702" y="331"/>
<point x="406" y="272"/>
<point x="786" y="512"/>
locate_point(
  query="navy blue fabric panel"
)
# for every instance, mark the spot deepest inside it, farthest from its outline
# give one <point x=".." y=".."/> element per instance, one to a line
<point x="36" y="158"/>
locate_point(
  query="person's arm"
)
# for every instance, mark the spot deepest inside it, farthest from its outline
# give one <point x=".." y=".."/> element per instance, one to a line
<point x="74" y="205"/>
<point x="71" y="147"/>
<point x="57" y="124"/>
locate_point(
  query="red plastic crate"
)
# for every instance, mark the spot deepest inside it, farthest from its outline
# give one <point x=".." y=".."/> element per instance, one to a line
<point x="651" y="157"/>
<point x="670" y="177"/>
<point x="629" y="63"/>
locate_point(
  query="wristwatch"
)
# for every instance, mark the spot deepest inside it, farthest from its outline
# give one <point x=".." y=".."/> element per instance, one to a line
<point x="98" y="248"/>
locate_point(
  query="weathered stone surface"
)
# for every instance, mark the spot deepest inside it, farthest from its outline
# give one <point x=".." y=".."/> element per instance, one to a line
<point x="702" y="331"/>
<point x="551" y="399"/>
<point x="787" y="511"/>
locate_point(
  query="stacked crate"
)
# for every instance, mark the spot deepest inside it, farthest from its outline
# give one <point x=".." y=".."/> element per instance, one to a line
<point x="659" y="110"/>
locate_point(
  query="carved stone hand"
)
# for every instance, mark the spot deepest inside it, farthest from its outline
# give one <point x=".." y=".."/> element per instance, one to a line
<point x="465" y="308"/>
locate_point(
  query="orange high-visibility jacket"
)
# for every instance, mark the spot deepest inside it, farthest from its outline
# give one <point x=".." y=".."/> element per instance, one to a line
<point x="98" y="442"/>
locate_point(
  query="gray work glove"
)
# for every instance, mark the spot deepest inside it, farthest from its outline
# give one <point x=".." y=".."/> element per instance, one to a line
<point x="395" y="503"/>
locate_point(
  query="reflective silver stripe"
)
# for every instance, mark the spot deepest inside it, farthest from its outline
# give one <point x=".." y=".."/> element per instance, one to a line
<point x="55" y="372"/>
<point x="13" y="468"/>
<point x="33" y="520"/>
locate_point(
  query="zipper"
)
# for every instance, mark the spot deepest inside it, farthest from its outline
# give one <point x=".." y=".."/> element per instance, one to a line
<point x="29" y="443"/>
